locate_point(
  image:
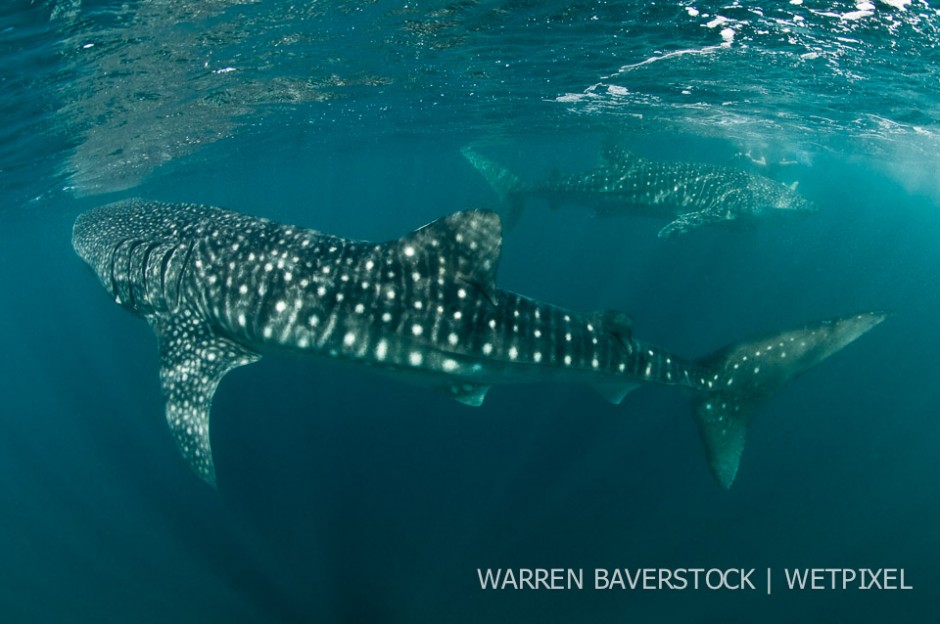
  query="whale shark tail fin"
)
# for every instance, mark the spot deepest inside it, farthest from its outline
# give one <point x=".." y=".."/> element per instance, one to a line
<point x="745" y="374"/>
<point x="507" y="185"/>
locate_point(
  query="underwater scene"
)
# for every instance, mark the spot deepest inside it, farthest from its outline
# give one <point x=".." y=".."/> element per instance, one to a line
<point x="499" y="311"/>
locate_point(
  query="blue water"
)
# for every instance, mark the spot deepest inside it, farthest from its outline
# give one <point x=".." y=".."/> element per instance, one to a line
<point x="348" y="497"/>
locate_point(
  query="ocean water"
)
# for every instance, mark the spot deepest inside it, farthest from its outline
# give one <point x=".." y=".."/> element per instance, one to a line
<point x="348" y="497"/>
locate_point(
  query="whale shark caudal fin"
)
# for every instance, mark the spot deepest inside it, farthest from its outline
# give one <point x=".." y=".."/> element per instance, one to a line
<point x="745" y="374"/>
<point x="193" y="359"/>
<point x="507" y="185"/>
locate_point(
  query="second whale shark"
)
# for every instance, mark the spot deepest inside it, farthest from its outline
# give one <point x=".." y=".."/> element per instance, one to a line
<point x="689" y="195"/>
<point x="221" y="288"/>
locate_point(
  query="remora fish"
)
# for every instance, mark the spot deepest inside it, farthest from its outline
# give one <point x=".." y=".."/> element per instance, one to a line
<point x="219" y="288"/>
<point x="690" y="195"/>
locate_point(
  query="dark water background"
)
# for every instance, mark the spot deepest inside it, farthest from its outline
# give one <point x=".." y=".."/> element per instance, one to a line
<point x="348" y="497"/>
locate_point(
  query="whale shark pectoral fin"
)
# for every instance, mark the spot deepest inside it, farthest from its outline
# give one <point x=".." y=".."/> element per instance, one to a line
<point x="689" y="221"/>
<point x="193" y="359"/>
<point x="468" y="393"/>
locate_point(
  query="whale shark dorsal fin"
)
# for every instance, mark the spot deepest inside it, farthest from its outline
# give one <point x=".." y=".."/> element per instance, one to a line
<point x="466" y="245"/>
<point x="616" y="323"/>
<point x="617" y="157"/>
<point x="193" y="359"/>
<point x="612" y="154"/>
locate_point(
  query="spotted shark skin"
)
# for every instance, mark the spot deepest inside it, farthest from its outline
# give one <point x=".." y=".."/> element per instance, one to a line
<point x="220" y="288"/>
<point x="690" y="195"/>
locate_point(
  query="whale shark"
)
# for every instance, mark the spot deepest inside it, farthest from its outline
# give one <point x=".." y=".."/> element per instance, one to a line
<point x="221" y="288"/>
<point x="689" y="195"/>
